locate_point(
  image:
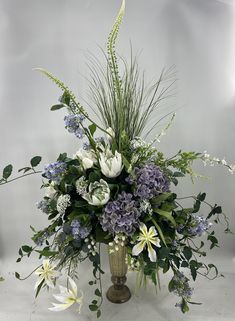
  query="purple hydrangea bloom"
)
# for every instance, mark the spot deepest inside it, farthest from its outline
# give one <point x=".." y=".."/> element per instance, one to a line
<point x="78" y="231"/>
<point x="195" y="226"/>
<point x="72" y="123"/>
<point x="54" y="171"/>
<point x="121" y="215"/>
<point x="149" y="181"/>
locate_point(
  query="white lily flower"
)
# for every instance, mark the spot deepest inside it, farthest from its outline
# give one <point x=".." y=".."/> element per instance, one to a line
<point x="46" y="273"/>
<point x="147" y="237"/>
<point x="67" y="297"/>
<point x="99" y="193"/>
<point x="111" y="165"/>
<point x="87" y="157"/>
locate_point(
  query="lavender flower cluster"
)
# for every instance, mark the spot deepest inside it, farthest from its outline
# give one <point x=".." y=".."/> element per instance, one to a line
<point x="149" y="181"/>
<point x="54" y="171"/>
<point x="72" y="123"/>
<point x="181" y="286"/>
<point x="44" y="206"/>
<point x="121" y="215"/>
<point x="78" y="231"/>
<point x="195" y="226"/>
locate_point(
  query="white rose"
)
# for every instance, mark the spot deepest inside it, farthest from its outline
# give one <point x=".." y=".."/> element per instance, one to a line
<point x="87" y="157"/>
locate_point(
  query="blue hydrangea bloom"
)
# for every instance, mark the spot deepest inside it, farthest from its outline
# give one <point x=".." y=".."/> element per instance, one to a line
<point x="181" y="286"/>
<point x="44" y="206"/>
<point x="72" y="123"/>
<point x="54" y="171"/>
<point x="78" y="231"/>
<point x="149" y="181"/>
<point x="121" y="215"/>
<point x="195" y="226"/>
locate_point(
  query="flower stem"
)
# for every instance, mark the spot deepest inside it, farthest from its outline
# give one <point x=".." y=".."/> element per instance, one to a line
<point x="14" y="179"/>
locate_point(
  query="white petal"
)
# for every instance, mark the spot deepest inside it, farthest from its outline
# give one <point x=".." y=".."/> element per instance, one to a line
<point x="138" y="248"/>
<point x="60" y="297"/>
<point x="39" y="271"/>
<point x="46" y="264"/>
<point x="143" y="229"/>
<point x="63" y="290"/>
<point x="73" y="286"/>
<point x="87" y="163"/>
<point x="49" y="282"/>
<point x="151" y="253"/>
<point x="59" y="307"/>
<point x="152" y="231"/>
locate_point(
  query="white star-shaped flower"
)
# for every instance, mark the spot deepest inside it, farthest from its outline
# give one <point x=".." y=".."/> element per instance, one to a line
<point x="67" y="297"/>
<point x="46" y="273"/>
<point x="147" y="237"/>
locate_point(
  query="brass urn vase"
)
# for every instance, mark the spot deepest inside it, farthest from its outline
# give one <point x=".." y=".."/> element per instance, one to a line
<point x="118" y="292"/>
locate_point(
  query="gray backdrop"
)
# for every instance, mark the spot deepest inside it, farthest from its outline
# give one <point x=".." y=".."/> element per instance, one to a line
<point x="197" y="36"/>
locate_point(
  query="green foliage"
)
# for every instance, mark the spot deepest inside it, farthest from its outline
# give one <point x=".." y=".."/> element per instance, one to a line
<point x="112" y="58"/>
<point x="35" y="161"/>
<point x="67" y="92"/>
<point x="92" y="129"/>
<point x="7" y="171"/>
<point x="57" y="107"/>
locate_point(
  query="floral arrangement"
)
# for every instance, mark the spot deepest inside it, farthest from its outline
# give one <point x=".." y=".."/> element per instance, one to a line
<point x="118" y="190"/>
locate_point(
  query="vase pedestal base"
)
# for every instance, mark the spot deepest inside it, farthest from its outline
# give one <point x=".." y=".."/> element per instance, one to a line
<point x="119" y="292"/>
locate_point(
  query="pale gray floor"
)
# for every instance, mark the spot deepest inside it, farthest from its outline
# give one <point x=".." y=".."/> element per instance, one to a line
<point x="218" y="298"/>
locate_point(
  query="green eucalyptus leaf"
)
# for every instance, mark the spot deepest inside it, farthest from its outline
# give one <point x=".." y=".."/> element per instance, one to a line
<point x="201" y="196"/>
<point x="7" y="171"/>
<point x="193" y="272"/>
<point x="26" y="248"/>
<point x="184" y="306"/>
<point x="97" y="292"/>
<point x="164" y="252"/>
<point x="58" y="106"/>
<point x="92" y="129"/>
<point x="187" y="253"/>
<point x="35" y="161"/>
<point x="93" y="307"/>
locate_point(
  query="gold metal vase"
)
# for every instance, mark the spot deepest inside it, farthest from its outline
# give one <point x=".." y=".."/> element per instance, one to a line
<point x="118" y="292"/>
